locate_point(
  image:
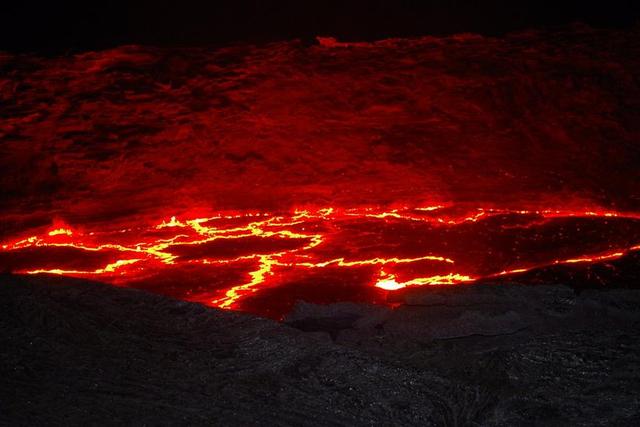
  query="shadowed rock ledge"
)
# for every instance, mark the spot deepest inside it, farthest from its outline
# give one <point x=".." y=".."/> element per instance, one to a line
<point x="75" y="352"/>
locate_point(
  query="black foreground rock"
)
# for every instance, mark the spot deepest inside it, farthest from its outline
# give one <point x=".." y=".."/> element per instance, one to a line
<point x="74" y="352"/>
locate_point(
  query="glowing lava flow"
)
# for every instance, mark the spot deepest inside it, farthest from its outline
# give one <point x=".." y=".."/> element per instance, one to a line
<point x="231" y="257"/>
<point x="257" y="277"/>
<point x="388" y="282"/>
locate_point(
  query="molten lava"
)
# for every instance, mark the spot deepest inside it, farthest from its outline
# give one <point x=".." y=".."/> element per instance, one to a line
<point x="251" y="176"/>
<point x="241" y="257"/>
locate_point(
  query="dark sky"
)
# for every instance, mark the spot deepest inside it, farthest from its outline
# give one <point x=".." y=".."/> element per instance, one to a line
<point x="66" y="26"/>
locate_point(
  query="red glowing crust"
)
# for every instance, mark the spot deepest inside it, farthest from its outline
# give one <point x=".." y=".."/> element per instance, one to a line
<point x="270" y="250"/>
<point x="536" y="132"/>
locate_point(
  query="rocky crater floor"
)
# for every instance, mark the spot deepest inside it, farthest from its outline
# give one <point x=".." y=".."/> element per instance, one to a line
<point x="74" y="351"/>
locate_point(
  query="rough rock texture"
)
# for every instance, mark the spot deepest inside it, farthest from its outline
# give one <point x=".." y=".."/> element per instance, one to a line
<point x="516" y="121"/>
<point x="515" y="354"/>
<point x="76" y="352"/>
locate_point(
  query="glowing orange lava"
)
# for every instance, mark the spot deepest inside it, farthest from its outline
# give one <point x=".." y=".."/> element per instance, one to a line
<point x="397" y="248"/>
<point x="411" y="162"/>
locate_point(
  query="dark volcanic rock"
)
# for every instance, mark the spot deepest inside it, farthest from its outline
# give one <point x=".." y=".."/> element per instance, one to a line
<point x="76" y="352"/>
<point x="516" y="354"/>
